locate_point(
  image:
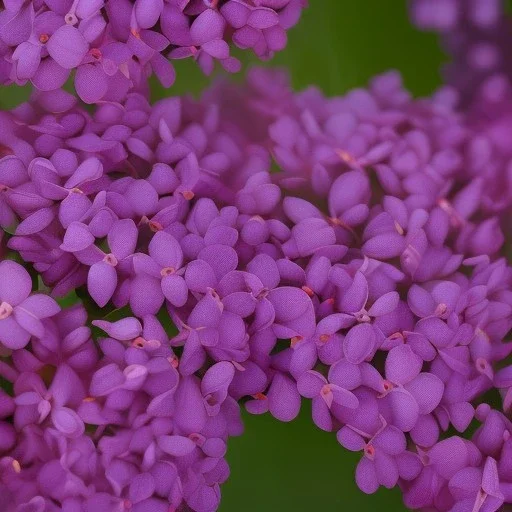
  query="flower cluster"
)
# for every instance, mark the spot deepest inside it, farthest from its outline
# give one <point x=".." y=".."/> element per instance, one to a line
<point x="365" y="275"/>
<point x="477" y="35"/>
<point x="122" y="432"/>
<point x="114" y="46"/>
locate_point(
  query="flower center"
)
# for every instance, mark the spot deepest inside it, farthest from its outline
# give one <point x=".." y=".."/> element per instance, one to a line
<point x="388" y="386"/>
<point x="139" y="342"/>
<point x="214" y="294"/>
<point x="5" y="310"/>
<point x="211" y="400"/>
<point x="447" y="207"/>
<point x="75" y="190"/>
<point x="324" y="338"/>
<point x="174" y="361"/>
<point x="308" y="290"/>
<point x="197" y="438"/>
<point x="168" y="271"/>
<point x="43" y="38"/>
<point x="135" y="33"/>
<point x="96" y="53"/>
<point x="259" y="396"/>
<point x="188" y="195"/>
<point x="362" y="316"/>
<point x="155" y="226"/>
<point x="345" y="156"/>
<point x="263" y="293"/>
<point x="295" y="340"/>
<point x="71" y="18"/>
<point x="441" y="309"/>
<point x="411" y="256"/>
<point x="369" y="451"/>
<point x="399" y="229"/>
<point x="483" y="367"/>
<point x="111" y="260"/>
<point x="326" y="390"/>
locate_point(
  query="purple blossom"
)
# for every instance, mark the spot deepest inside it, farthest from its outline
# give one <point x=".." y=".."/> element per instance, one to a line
<point x="388" y="306"/>
<point x="114" y="47"/>
<point x="20" y="312"/>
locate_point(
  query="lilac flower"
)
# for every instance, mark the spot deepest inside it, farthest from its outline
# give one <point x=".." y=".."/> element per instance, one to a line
<point x="66" y="340"/>
<point x="102" y="279"/>
<point x="115" y="47"/>
<point x="385" y="305"/>
<point x="476" y="35"/>
<point x="20" y="312"/>
<point x="165" y="264"/>
<point x="313" y="385"/>
<point x="282" y="399"/>
<point x="380" y="464"/>
<point x="477" y="488"/>
<point x="35" y="403"/>
<point x="407" y="391"/>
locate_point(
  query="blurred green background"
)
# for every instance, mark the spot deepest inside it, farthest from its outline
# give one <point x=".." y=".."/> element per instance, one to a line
<point x="339" y="44"/>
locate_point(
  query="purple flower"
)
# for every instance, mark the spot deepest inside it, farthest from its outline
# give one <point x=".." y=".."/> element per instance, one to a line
<point x="165" y="263"/>
<point x="115" y="47"/>
<point x="102" y="279"/>
<point x="323" y="392"/>
<point x="35" y="403"/>
<point x="282" y="399"/>
<point x="476" y="36"/>
<point x="408" y="392"/>
<point x="383" y="458"/>
<point x="20" y="312"/>
<point x="365" y="277"/>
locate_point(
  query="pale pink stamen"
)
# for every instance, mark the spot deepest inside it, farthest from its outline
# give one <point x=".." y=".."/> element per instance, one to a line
<point x="369" y="451"/>
<point x="70" y="18"/>
<point x="5" y="310"/>
<point x="111" y="260"/>
<point x="96" y="53"/>
<point x="399" y="229"/>
<point x="155" y="226"/>
<point x="441" y="309"/>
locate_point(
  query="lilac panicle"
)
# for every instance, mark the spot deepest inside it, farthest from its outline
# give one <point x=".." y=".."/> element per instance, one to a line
<point x="366" y="275"/>
<point x="477" y="36"/>
<point x="113" y="47"/>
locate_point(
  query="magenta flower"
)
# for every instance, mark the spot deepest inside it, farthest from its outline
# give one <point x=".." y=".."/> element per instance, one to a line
<point x="115" y="47"/>
<point x="102" y="279"/>
<point x="165" y="264"/>
<point x="20" y="312"/>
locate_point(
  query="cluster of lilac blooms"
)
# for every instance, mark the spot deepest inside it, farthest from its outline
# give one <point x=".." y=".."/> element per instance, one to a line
<point x="255" y="247"/>
<point x="364" y="276"/>
<point x="477" y="35"/>
<point x="113" y="46"/>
